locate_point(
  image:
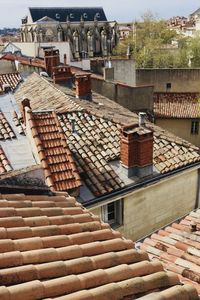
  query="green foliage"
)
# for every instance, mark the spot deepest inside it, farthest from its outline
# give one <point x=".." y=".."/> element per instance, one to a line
<point x="151" y="45"/>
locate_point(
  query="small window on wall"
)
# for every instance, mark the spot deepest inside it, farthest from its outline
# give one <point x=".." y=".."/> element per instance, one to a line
<point x="195" y="127"/>
<point x="112" y="213"/>
<point x="168" y="86"/>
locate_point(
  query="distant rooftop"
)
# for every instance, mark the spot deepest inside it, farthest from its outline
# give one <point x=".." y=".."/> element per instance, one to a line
<point x="74" y="14"/>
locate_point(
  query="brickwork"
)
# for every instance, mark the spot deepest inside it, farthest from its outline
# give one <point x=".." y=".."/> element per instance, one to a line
<point x="83" y="86"/>
<point x="136" y="148"/>
<point x="61" y="73"/>
<point x="51" y="59"/>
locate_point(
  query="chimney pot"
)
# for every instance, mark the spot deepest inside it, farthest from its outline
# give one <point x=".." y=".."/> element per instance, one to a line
<point x="142" y="118"/>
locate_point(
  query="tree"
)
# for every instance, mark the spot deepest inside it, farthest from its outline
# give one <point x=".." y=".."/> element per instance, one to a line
<point x="148" y="42"/>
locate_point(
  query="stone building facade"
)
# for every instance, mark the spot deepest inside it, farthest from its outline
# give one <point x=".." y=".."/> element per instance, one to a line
<point x="86" y="29"/>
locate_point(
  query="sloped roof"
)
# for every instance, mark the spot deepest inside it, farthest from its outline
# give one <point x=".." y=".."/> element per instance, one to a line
<point x="51" y="247"/>
<point x="56" y="159"/>
<point x="13" y="79"/>
<point x="4" y="162"/>
<point x="178" y="247"/>
<point x="43" y="95"/>
<point x="176" y="105"/>
<point x="196" y="12"/>
<point x="170" y="151"/>
<point x="73" y="13"/>
<point x="94" y="142"/>
<point x="6" y="131"/>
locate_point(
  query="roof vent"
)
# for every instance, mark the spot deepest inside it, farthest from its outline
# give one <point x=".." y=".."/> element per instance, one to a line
<point x="142" y="118"/>
<point x="6" y="88"/>
<point x="44" y="74"/>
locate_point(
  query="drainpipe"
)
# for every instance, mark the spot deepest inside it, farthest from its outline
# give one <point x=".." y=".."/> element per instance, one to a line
<point x="198" y="190"/>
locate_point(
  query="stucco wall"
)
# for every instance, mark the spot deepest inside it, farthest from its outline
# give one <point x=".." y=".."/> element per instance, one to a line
<point x="180" y="127"/>
<point x="34" y="49"/>
<point x="124" y="70"/>
<point x="133" y="98"/>
<point x="182" y="80"/>
<point x="157" y="205"/>
<point x="6" y="67"/>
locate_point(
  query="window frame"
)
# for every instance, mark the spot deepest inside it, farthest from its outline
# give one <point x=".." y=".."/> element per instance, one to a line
<point x="118" y="211"/>
<point x="194" y="127"/>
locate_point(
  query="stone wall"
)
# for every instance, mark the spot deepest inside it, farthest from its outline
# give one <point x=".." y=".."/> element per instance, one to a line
<point x="181" y="80"/>
<point x="133" y="98"/>
<point x="156" y="205"/>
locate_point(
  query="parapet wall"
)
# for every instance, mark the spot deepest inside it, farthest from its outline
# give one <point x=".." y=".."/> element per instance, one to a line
<point x="170" y="80"/>
<point x="133" y="98"/>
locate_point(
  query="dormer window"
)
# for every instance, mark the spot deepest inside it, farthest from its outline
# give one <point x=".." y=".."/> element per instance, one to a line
<point x="97" y="15"/>
<point x="71" y="16"/>
<point x="85" y="16"/>
<point x="57" y="16"/>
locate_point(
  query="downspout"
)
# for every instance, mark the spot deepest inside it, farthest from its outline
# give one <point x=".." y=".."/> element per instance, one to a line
<point x="198" y="189"/>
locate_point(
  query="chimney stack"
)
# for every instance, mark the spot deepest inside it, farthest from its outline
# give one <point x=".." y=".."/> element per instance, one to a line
<point x="136" y="151"/>
<point x="51" y="59"/>
<point x="24" y="103"/>
<point x="83" y="86"/>
<point x="62" y="74"/>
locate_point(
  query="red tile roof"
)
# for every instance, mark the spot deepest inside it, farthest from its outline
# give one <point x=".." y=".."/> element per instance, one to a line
<point x="178" y="248"/>
<point x="51" y="247"/>
<point x="13" y="79"/>
<point x="56" y="159"/>
<point x="37" y="87"/>
<point x="94" y="142"/>
<point x="6" y="131"/>
<point x="4" y="162"/>
<point x="170" y="151"/>
<point x="176" y="105"/>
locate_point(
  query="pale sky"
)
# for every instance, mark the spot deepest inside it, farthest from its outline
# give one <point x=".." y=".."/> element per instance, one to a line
<point x="11" y="11"/>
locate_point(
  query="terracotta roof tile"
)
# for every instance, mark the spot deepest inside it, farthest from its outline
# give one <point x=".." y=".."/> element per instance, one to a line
<point x="56" y="159"/>
<point x="97" y="123"/>
<point x="72" y="260"/>
<point x="37" y="87"/>
<point x="178" y="248"/>
<point x="12" y="79"/>
<point x="176" y="105"/>
<point x="4" y="162"/>
<point x="6" y="131"/>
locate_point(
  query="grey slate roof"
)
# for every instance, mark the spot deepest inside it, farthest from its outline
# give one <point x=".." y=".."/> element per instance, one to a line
<point x="74" y="13"/>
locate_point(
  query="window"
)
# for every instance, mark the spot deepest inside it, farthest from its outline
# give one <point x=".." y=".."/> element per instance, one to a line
<point x="112" y="213"/>
<point x="195" y="127"/>
<point x="98" y="15"/>
<point x="168" y="86"/>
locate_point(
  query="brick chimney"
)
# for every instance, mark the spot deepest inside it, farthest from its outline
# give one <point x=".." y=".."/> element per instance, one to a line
<point x="25" y="103"/>
<point x="83" y="86"/>
<point x="51" y="59"/>
<point x="136" y="151"/>
<point x="62" y="74"/>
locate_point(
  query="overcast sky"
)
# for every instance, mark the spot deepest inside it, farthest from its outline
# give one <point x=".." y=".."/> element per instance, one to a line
<point x="11" y="11"/>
